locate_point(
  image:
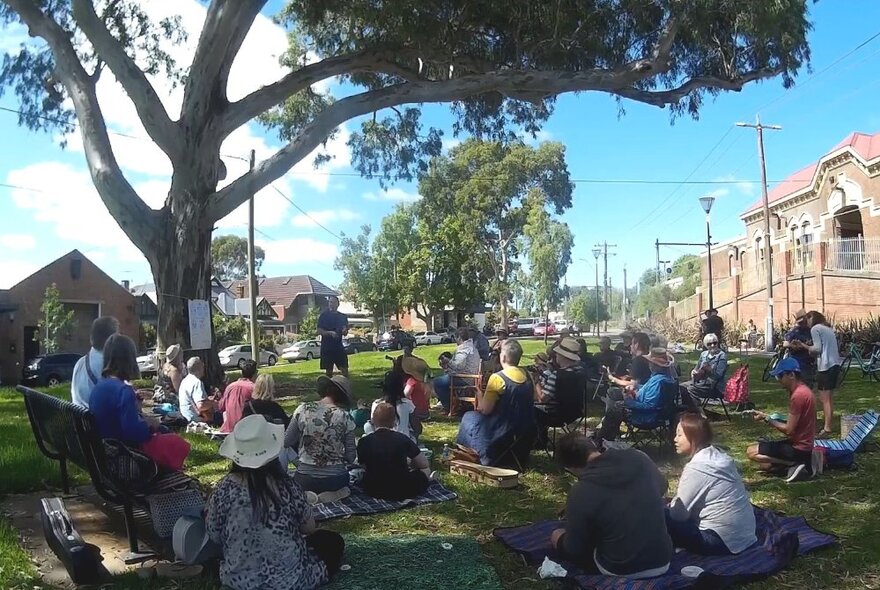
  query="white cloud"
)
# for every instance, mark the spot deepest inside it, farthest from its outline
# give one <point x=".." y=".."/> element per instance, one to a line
<point x="393" y="194"/>
<point x="18" y="242"/>
<point x="14" y="271"/>
<point x="541" y="135"/>
<point x="447" y="143"/>
<point x="748" y="189"/>
<point x="298" y="250"/>
<point x="325" y="216"/>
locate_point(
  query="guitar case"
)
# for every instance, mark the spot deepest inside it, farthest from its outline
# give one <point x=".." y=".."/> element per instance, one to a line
<point x="82" y="560"/>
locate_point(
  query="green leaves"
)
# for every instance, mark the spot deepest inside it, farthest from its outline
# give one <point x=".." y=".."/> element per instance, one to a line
<point x="56" y="321"/>
<point x="229" y="257"/>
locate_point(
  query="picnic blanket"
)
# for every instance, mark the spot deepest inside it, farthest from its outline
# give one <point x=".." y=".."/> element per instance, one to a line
<point x="780" y="539"/>
<point x="414" y="561"/>
<point x="359" y="503"/>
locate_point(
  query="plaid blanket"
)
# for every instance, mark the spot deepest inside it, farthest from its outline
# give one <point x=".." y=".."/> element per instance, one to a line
<point x="359" y="503"/>
<point x="780" y="539"/>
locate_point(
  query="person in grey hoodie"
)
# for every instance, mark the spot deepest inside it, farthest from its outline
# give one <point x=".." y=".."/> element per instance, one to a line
<point x="614" y="515"/>
<point x="711" y="513"/>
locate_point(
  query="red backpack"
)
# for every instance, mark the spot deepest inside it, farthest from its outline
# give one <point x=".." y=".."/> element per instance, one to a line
<point x="736" y="391"/>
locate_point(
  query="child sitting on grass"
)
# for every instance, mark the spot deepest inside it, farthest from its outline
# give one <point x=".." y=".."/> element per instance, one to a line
<point x="395" y="468"/>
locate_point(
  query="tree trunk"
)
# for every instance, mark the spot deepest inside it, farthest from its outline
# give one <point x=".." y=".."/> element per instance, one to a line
<point x="181" y="264"/>
<point x="504" y="288"/>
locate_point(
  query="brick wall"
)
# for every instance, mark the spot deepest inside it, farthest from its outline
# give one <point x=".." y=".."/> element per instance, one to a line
<point x="89" y="291"/>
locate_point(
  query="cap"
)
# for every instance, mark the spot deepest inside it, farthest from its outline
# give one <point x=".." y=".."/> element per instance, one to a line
<point x="786" y="365"/>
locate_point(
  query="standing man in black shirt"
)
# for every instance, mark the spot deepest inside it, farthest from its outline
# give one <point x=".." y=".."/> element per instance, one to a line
<point x="332" y="326"/>
<point x="713" y="324"/>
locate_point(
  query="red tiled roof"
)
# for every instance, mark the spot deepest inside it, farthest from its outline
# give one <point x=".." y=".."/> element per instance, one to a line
<point x="283" y="290"/>
<point x="865" y="145"/>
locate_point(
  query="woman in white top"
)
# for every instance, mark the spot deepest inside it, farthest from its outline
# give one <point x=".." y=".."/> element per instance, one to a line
<point x="711" y="513"/>
<point x="826" y="350"/>
<point x="393" y="388"/>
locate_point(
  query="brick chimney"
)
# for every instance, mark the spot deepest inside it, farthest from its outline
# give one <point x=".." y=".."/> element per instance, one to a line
<point x="241" y="290"/>
<point x="126" y="285"/>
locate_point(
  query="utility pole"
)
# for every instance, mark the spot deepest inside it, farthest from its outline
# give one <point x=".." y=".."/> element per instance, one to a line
<point x="252" y="277"/>
<point x="604" y="247"/>
<point x="624" y="304"/>
<point x="768" y="258"/>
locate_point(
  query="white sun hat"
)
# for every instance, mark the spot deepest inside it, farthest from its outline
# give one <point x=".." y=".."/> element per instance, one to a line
<point x="253" y="442"/>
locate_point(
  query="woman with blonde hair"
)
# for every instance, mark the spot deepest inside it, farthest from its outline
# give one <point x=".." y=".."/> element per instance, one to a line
<point x="263" y="401"/>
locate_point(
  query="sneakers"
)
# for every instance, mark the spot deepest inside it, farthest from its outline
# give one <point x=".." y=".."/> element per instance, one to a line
<point x="434" y="476"/>
<point x="327" y="497"/>
<point x="797" y="473"/>
<point x="312" y="498"/>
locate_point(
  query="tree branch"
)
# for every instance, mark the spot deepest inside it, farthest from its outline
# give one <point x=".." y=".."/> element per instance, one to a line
<point x="146" y="101"/>
<point x="518" y="84"/>
<point x="226" y="25"/>
<point x="137" y="220"/>
<point x="263" y="99"/>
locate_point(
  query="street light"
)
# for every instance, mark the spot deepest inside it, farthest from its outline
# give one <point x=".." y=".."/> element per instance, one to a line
<point x="706" y="203"/>
<point x="596" y="253"/>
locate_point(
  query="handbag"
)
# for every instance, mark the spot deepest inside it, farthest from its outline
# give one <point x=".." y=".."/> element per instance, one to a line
<point x="127" y="467"/>
<point x="166" y="509"/>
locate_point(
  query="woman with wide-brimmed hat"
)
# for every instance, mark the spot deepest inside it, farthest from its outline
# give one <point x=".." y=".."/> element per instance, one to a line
<point x="260" y="518"/>
<point x="322" y="435"/>
<point x="645" y="405"/>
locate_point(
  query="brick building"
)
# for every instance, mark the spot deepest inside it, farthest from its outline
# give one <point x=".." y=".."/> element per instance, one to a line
<point x="291" y="297"/>
<point x="824" y="243"/>
<point x="83" y="287"/>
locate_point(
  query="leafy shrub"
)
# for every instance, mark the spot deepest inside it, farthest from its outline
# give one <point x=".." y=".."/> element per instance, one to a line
<point x="864" y="332"/>
<point x="674" y="330"/>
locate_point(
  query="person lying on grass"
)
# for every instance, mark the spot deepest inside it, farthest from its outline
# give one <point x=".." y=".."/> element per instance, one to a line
<point x="795" y="452"/>
<point x="395" y="468"/>
<point x="615" y="523"/>
<point x="711" y="513"/>
<point x="260" y="518"/>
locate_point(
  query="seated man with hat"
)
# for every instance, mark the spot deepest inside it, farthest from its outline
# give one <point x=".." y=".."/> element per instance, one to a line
<point x="504" y="413"/>
<point x="560" y="388"/>
<point x="643" y="406"/>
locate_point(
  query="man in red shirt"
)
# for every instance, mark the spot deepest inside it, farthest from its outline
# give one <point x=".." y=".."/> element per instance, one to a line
<point x="237" y="395"/>
<point x="796" y="450"/>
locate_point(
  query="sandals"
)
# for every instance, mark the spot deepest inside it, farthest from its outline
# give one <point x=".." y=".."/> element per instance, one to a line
<point x="824" y="434"/>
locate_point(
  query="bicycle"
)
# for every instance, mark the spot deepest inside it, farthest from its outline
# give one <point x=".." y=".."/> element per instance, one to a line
<point x="774" y="360"/>
<point x="869" y="366"/>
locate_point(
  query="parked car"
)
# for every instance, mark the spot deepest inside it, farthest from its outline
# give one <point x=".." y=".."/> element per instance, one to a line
<point x="566" y="327"/>
<point x="447" y="337"/>
<point x="356" y="344"/>
<point x="49" y="369"/>
<point x="543" y="328"/>
<point x="425" y="338"/>
<point x="526" y="326"/>
<point x="511" y="326"/>
<point x="147" y="362"/>
<point x="304" y="350"/>
<point x="396" y="341"/>
<point x="237" y="354"/>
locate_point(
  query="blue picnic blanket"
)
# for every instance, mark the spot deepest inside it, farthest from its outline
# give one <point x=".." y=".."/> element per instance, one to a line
<point x="780" y="540"/>
<point x="359" y="503"/>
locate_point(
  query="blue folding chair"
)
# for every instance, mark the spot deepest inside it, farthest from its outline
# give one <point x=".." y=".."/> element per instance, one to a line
<point x="856" y="437"/>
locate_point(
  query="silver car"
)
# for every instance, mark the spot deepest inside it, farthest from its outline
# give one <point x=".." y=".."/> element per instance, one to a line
<point x="237" y="354"/>
<point x="305" y="350"/>
<point x="147" y="362"/>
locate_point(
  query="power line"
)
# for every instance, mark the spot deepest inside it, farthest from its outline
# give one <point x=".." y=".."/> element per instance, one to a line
<point x="301" y="210"/>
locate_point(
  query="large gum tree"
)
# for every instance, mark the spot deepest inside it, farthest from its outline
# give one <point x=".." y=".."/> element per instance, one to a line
<point x="499" y="64"/>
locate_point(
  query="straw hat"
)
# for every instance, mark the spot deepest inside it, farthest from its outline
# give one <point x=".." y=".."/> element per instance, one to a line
<point x="254" y="442"/>
<point x="568" y="348"/>
<point x="414" y="367"/>
<point x="340" y="382"/>
<point x="800" y="314"/>
<point x="172" y="353"/>
<point x="660" y="357"/>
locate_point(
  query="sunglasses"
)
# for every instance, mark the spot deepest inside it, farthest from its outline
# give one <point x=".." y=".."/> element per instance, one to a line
<point x="712" y="344"/>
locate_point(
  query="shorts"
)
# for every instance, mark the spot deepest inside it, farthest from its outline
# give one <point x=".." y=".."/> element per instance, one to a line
<point x="782" y="450"/>
<point x="338" y="358"/>
<point x="827" y="380"/>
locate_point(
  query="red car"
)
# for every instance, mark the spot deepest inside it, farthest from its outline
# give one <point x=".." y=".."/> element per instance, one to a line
<point x="542" y="328"/>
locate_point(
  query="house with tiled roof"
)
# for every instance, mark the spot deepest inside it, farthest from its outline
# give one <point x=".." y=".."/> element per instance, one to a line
<point x="824" y="242"/>
<point x="290" y="297"/>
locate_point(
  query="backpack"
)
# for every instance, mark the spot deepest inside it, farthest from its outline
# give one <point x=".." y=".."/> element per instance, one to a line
<point x="736" y="390"/>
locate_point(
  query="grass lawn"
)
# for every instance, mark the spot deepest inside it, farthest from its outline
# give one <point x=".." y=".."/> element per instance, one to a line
<point x="841" y="502"/>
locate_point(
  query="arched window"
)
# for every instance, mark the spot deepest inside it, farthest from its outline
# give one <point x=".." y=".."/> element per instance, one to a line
<point x="807" y="243"/>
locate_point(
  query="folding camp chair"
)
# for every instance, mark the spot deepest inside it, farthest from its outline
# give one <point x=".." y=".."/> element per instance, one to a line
<point x="661" y="430"/>
<point x="856" y="437"/>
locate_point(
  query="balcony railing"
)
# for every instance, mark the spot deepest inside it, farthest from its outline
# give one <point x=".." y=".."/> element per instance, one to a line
<point x="853" y="254"/>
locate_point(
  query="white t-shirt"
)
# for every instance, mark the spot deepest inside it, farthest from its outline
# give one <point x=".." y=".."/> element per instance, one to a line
<point x="81" y="383"/>
<point x="825" y="343"/>
<point x="192" y="392"/>
<point x="404" y="410"/>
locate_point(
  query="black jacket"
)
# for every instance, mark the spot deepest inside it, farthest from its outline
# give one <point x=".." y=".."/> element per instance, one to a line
<point x="617" y="508"/>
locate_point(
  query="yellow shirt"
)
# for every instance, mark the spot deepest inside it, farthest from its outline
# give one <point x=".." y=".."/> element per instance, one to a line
<point x="495" y="385"/>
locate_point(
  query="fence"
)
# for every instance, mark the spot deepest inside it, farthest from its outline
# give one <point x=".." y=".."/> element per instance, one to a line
<point x="853" y="254"/>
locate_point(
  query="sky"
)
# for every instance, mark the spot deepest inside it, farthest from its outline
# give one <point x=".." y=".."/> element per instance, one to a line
<point x="628" y="168"/>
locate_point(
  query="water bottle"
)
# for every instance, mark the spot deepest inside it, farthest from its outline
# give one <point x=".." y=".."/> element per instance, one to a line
<point x="447" y="452"/>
